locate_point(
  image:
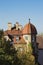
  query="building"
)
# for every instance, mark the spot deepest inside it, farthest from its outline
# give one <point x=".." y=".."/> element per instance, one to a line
<point x="21" y="37"/>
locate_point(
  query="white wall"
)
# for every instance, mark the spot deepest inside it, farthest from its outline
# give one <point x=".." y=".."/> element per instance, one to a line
<point x="7" y="38"/>
<point x="28" y="38"/>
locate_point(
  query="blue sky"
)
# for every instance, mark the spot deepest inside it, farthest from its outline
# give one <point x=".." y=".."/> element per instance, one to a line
<point x="21" y="11"/>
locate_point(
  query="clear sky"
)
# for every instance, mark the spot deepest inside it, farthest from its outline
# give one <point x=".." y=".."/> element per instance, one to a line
<point x="21" y="11"/>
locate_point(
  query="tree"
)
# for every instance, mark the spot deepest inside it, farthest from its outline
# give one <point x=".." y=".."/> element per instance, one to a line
<point x="8" y="54"/>
<point x="28" y="58"/>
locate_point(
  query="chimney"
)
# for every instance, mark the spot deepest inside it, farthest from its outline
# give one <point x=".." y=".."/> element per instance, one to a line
<point x="9" y="26"/>
<point x="17" y="25"/>
<point x="20" y="27"/>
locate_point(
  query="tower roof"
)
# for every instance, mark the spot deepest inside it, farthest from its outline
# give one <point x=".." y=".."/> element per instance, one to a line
<point x="29" y="29"/>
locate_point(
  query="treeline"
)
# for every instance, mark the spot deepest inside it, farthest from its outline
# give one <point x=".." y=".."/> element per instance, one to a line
<point x="9" y="56"/>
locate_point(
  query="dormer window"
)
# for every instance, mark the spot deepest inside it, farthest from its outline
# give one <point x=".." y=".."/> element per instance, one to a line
<point x="17" y="38"/>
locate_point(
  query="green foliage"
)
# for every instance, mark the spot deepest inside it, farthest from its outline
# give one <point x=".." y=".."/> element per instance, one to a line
<point x="8" y="55"/>
<point x="1" y="34"/>
<point x="30" y="49"/>
<point x="27" y="59"/>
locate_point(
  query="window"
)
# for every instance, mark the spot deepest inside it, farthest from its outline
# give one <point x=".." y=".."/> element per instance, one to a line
<point x="33" y="39"/>
<point x="17" y="38"/>
<point x="26" y="37"/>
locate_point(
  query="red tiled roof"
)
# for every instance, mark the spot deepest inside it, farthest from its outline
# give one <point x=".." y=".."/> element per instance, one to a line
<point x="13" y="32"/>
<point x="29" y="29"/>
